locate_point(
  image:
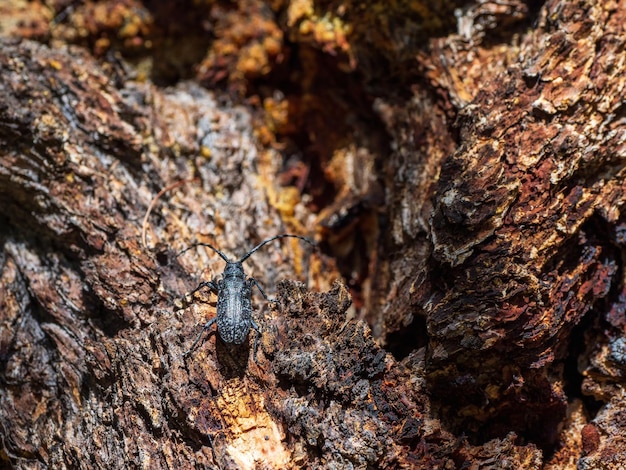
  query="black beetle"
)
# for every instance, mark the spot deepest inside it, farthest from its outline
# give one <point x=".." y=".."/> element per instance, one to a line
<point x="234" y="297"/>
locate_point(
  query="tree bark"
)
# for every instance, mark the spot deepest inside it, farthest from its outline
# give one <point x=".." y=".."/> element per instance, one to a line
<point x="467" y="307"/>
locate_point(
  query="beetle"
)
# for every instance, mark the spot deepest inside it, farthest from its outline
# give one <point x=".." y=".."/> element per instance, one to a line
<point x="234" y="297"/>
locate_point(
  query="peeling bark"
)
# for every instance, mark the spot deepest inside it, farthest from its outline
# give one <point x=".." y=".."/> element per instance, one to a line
<point x="470" y="195"/>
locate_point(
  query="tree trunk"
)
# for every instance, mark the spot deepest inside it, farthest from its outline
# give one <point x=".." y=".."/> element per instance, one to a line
<point x="463" y="173"/>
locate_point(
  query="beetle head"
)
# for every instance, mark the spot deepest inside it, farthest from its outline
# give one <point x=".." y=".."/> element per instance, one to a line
<point x="234" y="269"/>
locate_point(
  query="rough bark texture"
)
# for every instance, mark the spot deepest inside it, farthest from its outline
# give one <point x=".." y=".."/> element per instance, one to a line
<point x="462" y="170"/>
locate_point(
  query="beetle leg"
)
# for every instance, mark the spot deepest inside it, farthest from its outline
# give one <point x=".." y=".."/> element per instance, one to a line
<point x="210" y="284"/>
<point x="195" y="343"/>
<point x="183" y="303"/>
<point x="253" y="282"/>
<point x="256" y="339"/>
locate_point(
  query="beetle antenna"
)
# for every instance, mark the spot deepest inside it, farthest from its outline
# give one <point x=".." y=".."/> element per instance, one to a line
<point x="265" y="242"/>
<point x="222" y="255"/>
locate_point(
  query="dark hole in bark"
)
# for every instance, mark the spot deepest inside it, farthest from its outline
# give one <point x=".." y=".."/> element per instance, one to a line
<point x="403" y="342"/>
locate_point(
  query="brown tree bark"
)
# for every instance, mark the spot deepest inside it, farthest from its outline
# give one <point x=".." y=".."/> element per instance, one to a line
<point x="462" y="172"/>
